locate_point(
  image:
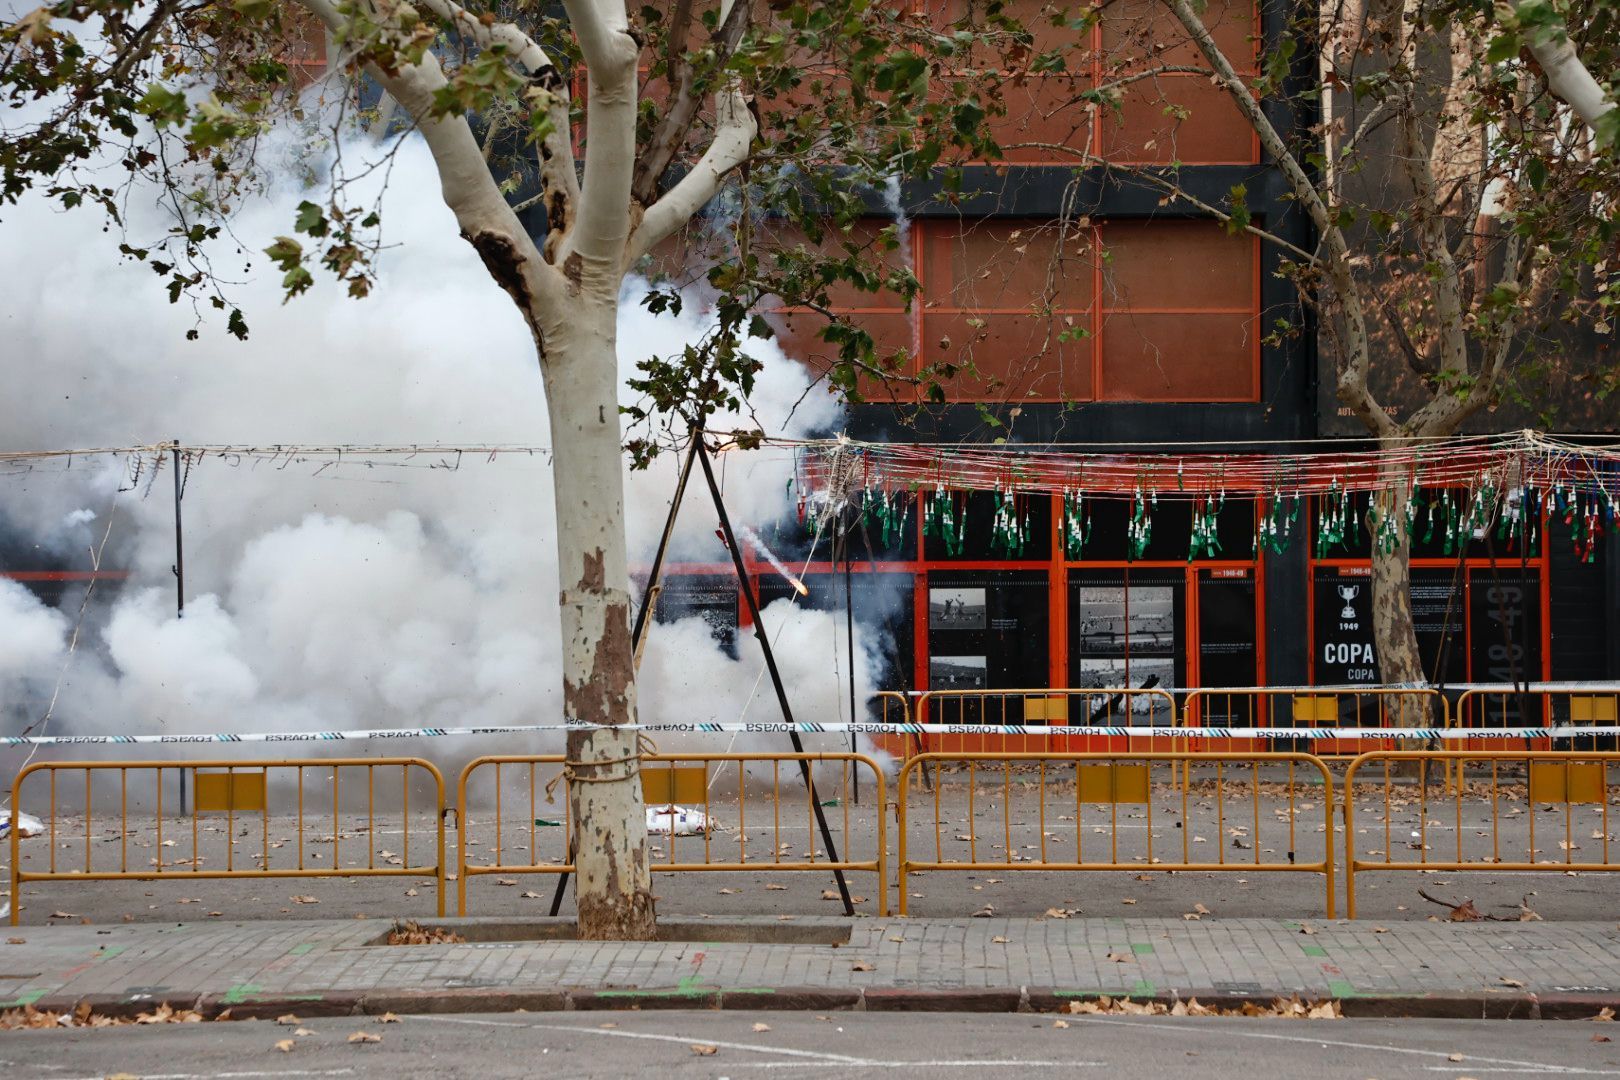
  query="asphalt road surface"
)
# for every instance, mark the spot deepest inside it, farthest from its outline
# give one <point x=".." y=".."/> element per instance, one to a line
<point x="739" y="1044"/>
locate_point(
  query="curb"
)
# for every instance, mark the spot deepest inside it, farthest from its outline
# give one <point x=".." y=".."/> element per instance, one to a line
<point x="1473" y="1005"/>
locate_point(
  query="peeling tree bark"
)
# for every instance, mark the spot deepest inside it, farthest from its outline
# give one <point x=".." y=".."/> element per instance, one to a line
<point x="1394" y="631"/>
<point x="612" y="887"/>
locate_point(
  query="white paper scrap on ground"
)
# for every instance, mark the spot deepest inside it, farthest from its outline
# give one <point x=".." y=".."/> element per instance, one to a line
<point x="27" y="824"/>
<point x="676" y="821"/>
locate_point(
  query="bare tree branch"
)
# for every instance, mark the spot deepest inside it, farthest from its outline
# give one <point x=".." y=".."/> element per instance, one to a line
<point x="1355" y="359"/>
<point x="594" y="249"/>
<point x="468" y="189"/>
<point x="733" y="136"/>
<point x="1567" y="76"/>
<point x="559" y="184"/>
<point x="676" y="122"/>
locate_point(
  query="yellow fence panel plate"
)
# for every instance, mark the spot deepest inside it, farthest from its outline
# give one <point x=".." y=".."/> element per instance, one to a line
<point x="1313" y="709"/>
<point x="1114" y="783"/>
<point x="222" y="792"/>
<point x="1593" y="709"/>
<point x="677" y="784"/>
<point x="1046" y="708"/>
<point x="1575" y="782"/>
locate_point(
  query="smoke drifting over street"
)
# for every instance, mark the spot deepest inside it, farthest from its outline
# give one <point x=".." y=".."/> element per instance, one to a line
<point x="388" y="593"/>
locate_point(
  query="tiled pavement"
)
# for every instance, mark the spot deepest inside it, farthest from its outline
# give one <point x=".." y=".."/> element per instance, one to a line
<point x="259" y="968"/>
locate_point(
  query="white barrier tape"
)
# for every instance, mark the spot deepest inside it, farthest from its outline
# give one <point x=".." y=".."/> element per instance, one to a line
<point x="1069" y="730"/>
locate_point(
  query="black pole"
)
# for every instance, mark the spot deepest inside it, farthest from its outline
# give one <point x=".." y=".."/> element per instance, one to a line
<point x="641" y="623"/>
<point x="663" y="547"/>
<point x="849" y="639"/>
<point x="179" y="541"/>
<point x="747" y="588"/>
<point x="179" y="575"/>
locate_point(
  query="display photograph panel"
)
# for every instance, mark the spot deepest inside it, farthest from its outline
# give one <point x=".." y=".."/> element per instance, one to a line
<point x="956" y="609"/>
<point x="956" y="673"/>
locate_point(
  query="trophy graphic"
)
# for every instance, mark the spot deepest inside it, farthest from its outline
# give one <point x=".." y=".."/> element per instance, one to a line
<point x="1348" y="593"/>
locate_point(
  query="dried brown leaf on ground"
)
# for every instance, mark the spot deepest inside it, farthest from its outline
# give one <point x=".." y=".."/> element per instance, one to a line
<point x="1511" y="982"/>
<point x="1603" y="1014"/>
<point x="773" y="887"/>
<point x="704" y="1049"/>
<point x="387" y="1018"/>
<point x="762" y="1027"/>
<point x="998" y="940"/>
<point x="1286" y="1008"/>
<point x="288" y="1020"/>
<point x="364" y="1037"/>
<point x="304" y="900"/>
<point x="861" y="965"/>
<point x="1120" y="958"/>
<point x="410" y="932"/>
<point x="29" y="1017"/>
<point x="1465" y="911"/>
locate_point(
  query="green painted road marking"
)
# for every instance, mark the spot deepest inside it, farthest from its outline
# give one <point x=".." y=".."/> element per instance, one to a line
<point x="25" y="999"/>
<point x="1143" y="988"/>
<point x="1141" y="950"/>
<point x="1339" y="988"/>
<point x="300" y="950"/>
<point x="110" y="951"/>
<point x="1313" y="950"/>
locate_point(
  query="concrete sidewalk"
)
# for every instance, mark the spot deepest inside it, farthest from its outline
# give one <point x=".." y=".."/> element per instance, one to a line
<point x="1525" y="970"/>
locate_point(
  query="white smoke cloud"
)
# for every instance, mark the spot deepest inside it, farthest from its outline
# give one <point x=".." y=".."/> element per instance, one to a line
<point x="355" y="596"/>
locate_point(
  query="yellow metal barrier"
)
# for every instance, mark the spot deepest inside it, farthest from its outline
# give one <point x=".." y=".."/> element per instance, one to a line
<point x="1372" y="707"/>
<point x="1102" y="706"/>
<point x="894" y="707"/>
<point x="683" y="854"/>
<point x="1242" y="784"/>
<point x="237" y="790"/>
<point x="1485" y="837"/>
<point x="1509" y="706"/>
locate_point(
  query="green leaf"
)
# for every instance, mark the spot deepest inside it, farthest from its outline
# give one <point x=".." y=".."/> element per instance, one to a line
<point x="286" y="253"/>
<point x="1503" y="47"/>
<point x="311" y="219"/>
<point x="1535" y="170"/>
<point x="164" y="107"/>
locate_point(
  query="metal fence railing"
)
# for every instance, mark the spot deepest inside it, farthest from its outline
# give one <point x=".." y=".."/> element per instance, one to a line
<point x="1243" y="812"/>
<point x="300" y="796"/>
<point x="757" y="814"/>
<point x="1490" y="817"/>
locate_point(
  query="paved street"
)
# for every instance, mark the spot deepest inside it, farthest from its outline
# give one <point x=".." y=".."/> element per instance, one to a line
<point x="835" y="1045"/>
<point x="1553" y="970"/>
